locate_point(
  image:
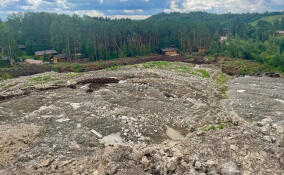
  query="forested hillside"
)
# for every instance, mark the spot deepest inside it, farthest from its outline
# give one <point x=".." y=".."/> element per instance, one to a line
<point x="104" y="38"/>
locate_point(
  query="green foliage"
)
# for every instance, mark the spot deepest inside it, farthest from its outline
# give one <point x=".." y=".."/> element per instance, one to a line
<point x="157" y="64"/>
<point x="77" y="68"/>
<point x="212" y="127"/>
<point x="5" y="76"/>
<point x="222" y="80"/>
<point x="104" y="39"/>
<point x="221" y="126"/>
<point x="73" y="75"/>
<point x="113" y="67"/>
<point x="41" y="79"/>
<point x="204" y="73"/>
<point x="270" y="19"/>
<point x="4" y="63"/>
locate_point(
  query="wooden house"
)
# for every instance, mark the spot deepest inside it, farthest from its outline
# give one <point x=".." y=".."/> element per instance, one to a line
<point x="22" y="47"/>
<point x="280" y="32"/>
<point x="49" y="53"/>
<point x="170" y="51"/>
<point x="199" y="50"/>
<point x="59" y="58"/>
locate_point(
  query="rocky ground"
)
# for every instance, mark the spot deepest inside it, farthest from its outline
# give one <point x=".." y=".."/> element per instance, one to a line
<point x="162" y="118"/>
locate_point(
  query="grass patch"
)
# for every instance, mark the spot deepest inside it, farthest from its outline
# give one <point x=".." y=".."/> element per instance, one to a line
<point x="182" y="68"/>
<point x="40" y="80"/>
<point x="5" y="76"/>
<point x="214" y="128"/>
<point x="73" y="74"/>
<point x="222" y="80"/>
<point x="221" y="126"/>
<point x="177" y="67"/>
<point x="157" y="64"/>
<point x="204" y="73"/>
<point x="77" y="68"/>
<point x="113" y="67"/>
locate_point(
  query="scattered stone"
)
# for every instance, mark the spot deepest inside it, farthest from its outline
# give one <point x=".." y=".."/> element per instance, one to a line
<point x="197" y="165"/>
<point x="229" y="168"/>
<point x="47" y="161"/>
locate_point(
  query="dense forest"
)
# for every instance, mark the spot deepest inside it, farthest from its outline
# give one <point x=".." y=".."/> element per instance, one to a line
<point x="250" y="36"/>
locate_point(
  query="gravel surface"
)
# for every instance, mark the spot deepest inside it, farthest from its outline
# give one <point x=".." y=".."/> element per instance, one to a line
<point x="137" y="120"/>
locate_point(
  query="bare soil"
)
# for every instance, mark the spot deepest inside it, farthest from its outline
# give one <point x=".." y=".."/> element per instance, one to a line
<point x="122" y="126"/>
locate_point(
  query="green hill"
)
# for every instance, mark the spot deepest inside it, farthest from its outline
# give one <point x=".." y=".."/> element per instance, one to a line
<point x="270" y="19"/>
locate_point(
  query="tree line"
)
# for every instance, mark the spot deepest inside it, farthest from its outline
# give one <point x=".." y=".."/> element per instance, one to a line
<point x="105" y="38"/>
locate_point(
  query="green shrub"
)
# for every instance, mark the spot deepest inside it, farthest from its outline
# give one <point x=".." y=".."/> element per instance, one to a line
<point x="5" y="76"/>
<point x="157" y="64"/>
<point x="221" y="126"/>
<point x="77" y="68"/>
<point x="114" y="67"/>
<point x="204" y="73"/>
<point x="212" y="127"/>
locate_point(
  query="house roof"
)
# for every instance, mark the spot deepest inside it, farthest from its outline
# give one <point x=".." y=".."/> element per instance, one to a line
<point x="45" y="52"/>
<point x="169" y="49"/>
<point x="60" y="56"/>
<point x="280" y="31"/>
<point x="21" y="46"/>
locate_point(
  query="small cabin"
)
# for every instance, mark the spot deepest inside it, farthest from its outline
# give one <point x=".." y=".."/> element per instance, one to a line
<point x="280" y="32"/>
<point x="170" y="51"/>
<point x="22" y="47"/>
<point x="200" y="50"/>
<point x="59" y="58"/>
<point x="49" y="53"/>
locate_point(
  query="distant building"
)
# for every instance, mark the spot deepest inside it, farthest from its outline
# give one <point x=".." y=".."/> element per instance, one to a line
<point x="22" y="47"/>
<point x="199" y="50"/>
<point x="49" y="53"/>
<point x="280" y="32"/>
<point x="170" y="51"/>
<point x="59" y="58"/>
<point x="223" y="38"/>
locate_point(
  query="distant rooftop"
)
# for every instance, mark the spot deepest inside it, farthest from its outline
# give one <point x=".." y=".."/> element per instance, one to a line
<point x="21" y="46"/>
<point x="60" y="56"/>
<point x="45" y="52"/>
<point x="169" y="49"/>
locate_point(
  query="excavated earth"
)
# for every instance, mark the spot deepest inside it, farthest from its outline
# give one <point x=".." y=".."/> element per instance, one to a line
<point x="137" y="120"/>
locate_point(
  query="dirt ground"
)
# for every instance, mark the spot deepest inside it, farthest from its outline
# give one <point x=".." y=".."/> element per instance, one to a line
<point x="141" y="120"/>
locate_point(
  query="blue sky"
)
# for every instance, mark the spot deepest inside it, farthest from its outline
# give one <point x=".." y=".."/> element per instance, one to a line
<point x="137" y="9"/>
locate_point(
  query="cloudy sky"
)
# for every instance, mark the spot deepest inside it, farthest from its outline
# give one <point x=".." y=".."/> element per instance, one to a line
<point x="137" y="9"/>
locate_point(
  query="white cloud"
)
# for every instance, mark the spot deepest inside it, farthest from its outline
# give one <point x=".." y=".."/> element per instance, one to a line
<point x="63" y="3"/>
<point x="4" y="3"/>
<point x="135" y="17"/>
<point x="91" y="13"/>
<point x="221" y="6"/>
<point x="133" y="11"/>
